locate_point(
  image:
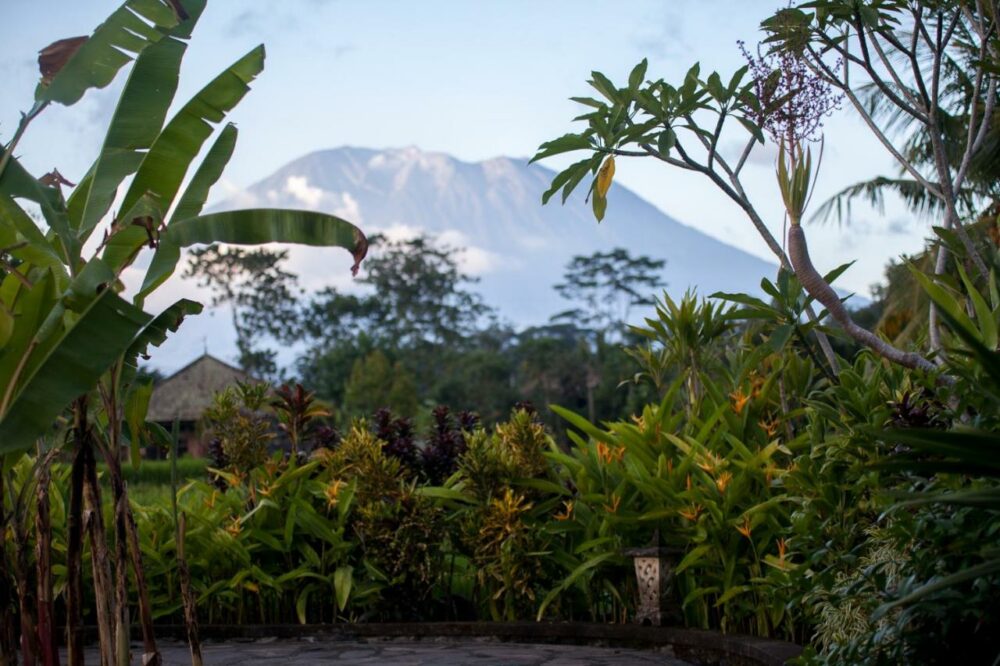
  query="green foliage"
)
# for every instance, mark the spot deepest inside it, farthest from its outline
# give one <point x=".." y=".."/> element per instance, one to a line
<point x="651" y="117"/>
<point x="236" y="420"/>
<point x="609" y="284"/>
<point x="65" y="322"/>
<point x="420" y="296"/>
<point x="687" y="338"/>
<point x="375" y="382"/>
<point x="487" y="370"/>
<point x="260" y="292"/>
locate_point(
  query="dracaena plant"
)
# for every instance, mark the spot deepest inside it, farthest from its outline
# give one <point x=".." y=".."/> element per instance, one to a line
<point x="68" y="335"/>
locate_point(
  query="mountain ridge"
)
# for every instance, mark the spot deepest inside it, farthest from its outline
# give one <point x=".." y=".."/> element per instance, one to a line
<point x="493" y="207"/>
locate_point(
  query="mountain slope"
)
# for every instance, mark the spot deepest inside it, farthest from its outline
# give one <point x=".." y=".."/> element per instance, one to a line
<point x="518" y="247"/>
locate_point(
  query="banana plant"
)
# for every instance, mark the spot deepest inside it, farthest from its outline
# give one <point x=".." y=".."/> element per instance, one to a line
<point x="70" y="334"/>
<point x="64" y="321"/>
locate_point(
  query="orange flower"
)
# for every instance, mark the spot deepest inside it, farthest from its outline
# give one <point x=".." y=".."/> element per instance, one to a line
<point x="687" y="483"/>
<point x="770" y="427"/>
<point x="567" y="511"/>
<point x="616" y="501"/>
<point x="607" y="454"/>
<point x="723" y="481"/>
<point x="210" y="500"/>
<point x="692" y="512"/>
<point x="739" y="399"/>
<point x="710" y="462"/>
<point x="603" y="452"/>
<point x="332" y="493"/>
<point x="782" y="548"/>
<point x="237" y="479"/>
<point x="745" y="529"/>
<point x="234" y="527"/>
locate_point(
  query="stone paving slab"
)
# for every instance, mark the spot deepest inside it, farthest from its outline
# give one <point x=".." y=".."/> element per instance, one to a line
<point x="306" y="652"/>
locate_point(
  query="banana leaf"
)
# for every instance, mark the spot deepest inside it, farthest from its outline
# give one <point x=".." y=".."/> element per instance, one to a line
<point x="72" y="367"/>
<point x="133" y="27"/>
<point x="253" y="227"/>
<point x="208" y="173"/>
<point x="191" y="202"/>
<point x="176" y="147"/>
<point x="16" y="182"/>
<point x="135" y="126"/>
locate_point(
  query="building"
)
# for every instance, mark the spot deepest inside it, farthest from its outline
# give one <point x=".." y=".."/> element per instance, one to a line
<point x="185" y="395"/>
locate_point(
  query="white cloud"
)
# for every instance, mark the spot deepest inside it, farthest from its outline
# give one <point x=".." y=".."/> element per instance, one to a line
<point x="299" y="187"/>
<point x="471" y="259"/>
<point x="347" y="207"/>
<point x="477" y="261"/>
<point x="235" y="196"/>
<point x="399" y="232"/>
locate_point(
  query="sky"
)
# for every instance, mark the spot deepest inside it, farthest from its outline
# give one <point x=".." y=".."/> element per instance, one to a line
<point x="473" y="79"/>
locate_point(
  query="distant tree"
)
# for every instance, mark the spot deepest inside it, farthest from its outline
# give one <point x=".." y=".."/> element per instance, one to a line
<point x="479" y="375"/>
<point x="420" y="312"/>
<point x="375" y="383"/>
<point x="608" y="285"/>
<point x="326" y="369"/>
<point x="420" y="296"/>
<point x="147" y="375"/>
<point x="261" y="294"/>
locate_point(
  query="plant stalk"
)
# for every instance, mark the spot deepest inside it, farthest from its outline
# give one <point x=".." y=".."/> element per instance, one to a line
<point x="48" y="646"/>
<point x="813" y="282"/>
<point x="100" y="560"/>
<point x="74" y="545"/>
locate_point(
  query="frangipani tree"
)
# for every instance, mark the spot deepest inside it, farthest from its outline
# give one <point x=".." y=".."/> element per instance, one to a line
<point x="68" y="334"/>
<point x="903" y="49"/>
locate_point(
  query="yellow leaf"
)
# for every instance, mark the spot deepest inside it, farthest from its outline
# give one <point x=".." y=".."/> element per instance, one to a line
<point x="605" y="176"/>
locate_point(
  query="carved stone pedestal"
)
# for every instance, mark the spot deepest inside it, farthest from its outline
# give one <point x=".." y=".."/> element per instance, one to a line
<point x="654" y="573"/>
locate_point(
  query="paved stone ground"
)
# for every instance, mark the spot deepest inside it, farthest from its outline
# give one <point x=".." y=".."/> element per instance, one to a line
<point x="272" y="652"/>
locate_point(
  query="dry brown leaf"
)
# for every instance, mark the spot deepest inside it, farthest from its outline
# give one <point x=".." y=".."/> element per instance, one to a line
<point x="360" y="250"/>
<point x="55" y="179"/>
<point x="54" y="57"/>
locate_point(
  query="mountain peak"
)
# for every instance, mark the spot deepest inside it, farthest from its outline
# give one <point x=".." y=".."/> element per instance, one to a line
<point x="493" y="209"/>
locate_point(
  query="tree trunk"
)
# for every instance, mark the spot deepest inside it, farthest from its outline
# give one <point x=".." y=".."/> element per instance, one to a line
<point x="120" y="608"/>
<point x="25" y="593"/>
<point x="103" y="586"/>
<point x="29" y="642"/>
<point x="74" y="545"/>
<point x="816" y="286"/>
<point x="8" y="640"/>
<point x="47" y="644"/>
<point x="187" y="595"/>
<point x="151" y="655"/>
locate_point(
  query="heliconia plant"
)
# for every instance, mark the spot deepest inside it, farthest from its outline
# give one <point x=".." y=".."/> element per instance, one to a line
<point x="708" y="479"/>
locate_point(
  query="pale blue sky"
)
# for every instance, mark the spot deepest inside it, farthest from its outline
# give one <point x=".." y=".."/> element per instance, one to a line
<point x="473" y="79"/>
